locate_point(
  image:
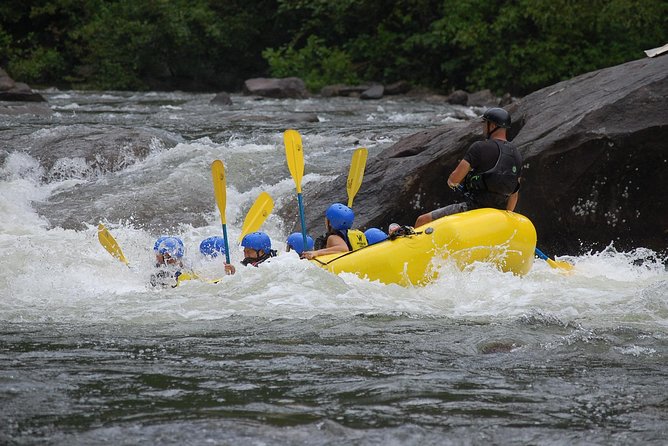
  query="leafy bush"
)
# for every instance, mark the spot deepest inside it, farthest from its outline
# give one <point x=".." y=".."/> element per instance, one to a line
<point x="316" y="64"/>
<point x="37" y="65"/>
<point x="512" y="46"/>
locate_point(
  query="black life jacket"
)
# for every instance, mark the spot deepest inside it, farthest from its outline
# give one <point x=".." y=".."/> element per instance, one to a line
<point x="165" y="277"/>
<point x="493" y="187"/>
<point x="354" y="238"/>
<point x="255" y="262"/>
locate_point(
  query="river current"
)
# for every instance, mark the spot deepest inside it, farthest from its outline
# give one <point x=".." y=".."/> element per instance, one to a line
<point x="287" y="353"/>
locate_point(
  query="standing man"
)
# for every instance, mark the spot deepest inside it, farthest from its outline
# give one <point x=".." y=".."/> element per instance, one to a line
<point x="490" y="171"/>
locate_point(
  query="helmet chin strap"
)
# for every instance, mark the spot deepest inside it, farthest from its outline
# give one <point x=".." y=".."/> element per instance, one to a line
<point x="488" y="135"/>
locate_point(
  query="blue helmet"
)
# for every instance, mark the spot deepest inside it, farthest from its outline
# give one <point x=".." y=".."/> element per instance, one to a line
<point x="340" y="216"/>
<point x="212" y="246"/>
<point x="158" y="241"/>
<point x="172" y="246"/>
<point x="296" y="242"/>
<point x="258" y="241"/>
<point x="374" y="235"/>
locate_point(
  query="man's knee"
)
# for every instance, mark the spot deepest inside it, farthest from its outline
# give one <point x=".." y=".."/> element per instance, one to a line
<point x="423" y="219"/>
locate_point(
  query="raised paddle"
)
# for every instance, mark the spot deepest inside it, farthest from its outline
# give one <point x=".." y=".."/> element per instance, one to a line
<point x="294" y="155"/>
<point x="257" y="214"/>
<point x="109" y="243"/>
<point x="219" y="190"/>
<point x="356" y="173"/>
<point x="554" y="263"/>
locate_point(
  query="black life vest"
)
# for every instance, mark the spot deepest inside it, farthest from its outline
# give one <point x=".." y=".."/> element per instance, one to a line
<point x="255" y="262"/>
<point x="165" y="277"/>
<point x="493" y="187"/>
<point x="354" y="238"/>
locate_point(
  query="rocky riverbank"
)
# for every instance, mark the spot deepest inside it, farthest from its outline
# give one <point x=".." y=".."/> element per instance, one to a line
<point x="595" y="164"/>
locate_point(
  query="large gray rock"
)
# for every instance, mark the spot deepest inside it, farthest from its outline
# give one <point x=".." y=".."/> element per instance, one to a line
<point x="373" y="92"/>
<point x="16" y="91"/>
<point x="289" y="87"/>
<point x="595" y="164"/>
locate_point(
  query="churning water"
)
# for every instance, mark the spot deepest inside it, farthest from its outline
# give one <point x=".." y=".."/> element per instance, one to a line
<point x="287" y="353"/>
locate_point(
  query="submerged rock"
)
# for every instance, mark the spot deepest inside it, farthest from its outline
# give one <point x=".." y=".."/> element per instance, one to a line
<point x="595" y="164"/>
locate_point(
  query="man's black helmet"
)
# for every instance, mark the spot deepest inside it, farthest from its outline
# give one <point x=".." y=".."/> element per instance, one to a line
<point x="497" y="116"/>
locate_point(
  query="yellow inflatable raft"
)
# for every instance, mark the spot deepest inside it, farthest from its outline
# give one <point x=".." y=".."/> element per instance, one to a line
<point x="503" y="238"/>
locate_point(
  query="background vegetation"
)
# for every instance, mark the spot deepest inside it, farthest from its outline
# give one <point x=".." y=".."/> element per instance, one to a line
<point x="512" y="46"/>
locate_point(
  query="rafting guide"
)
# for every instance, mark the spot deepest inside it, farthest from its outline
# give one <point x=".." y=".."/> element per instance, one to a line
<point x="489" y="172"/>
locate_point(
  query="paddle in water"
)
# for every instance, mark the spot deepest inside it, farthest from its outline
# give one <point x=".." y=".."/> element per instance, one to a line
<point x="219" y="190"/>
<point x="356" y="173"/>
<point x="557" y="264"/>
<point x="294" y="155"/>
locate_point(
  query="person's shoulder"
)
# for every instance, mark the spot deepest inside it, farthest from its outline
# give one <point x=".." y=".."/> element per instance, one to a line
<point x="480" y="146"/>
<point x="475" y="150"/>
<point x="335" y="234"/>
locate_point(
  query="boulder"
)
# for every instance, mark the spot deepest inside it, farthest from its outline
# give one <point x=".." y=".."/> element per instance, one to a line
<point x="373" y="92"/>
<point x="458" y="97"/>
<point x="16" y="91"/>
<point x="289" y="87"/>
<point x="400" y="87"/>
<point x="482" y="98"/>
<point x="221" y="99"/>
<point x="595" y="164"/>
<point x="343" y="90"/>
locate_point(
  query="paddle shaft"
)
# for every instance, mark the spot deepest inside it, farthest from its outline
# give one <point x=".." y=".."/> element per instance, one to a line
<point x="541" y="254"/>
<point x="227" y="250"/>
<point x="301" y="217"/>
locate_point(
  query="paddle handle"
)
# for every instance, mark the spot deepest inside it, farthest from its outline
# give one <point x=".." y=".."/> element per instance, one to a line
<point x="227" y="248"/>
<point x="301" y="217"/>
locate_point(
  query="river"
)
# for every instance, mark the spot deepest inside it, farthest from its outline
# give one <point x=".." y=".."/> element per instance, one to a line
<point x="287" y="353"/>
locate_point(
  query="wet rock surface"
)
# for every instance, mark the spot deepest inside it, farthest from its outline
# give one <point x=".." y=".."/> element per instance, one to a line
<point x="595" y="164"/>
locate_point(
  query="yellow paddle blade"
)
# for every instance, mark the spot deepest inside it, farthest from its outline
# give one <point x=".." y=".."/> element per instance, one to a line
<point x="109" y="243"/>
<point x="560" y="265"/>
<point x="219" y="188"/>
<point x="294" y="154"/>
<point x="257" y="214"/>
<point x="186" y="276"/>
<point x="356" y="173"/>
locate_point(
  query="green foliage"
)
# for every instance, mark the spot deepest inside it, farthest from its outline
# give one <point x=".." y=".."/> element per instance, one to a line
<point x="316" y="64"/>
<point x="505" y="45"/>
<point x="38" y="64"/>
